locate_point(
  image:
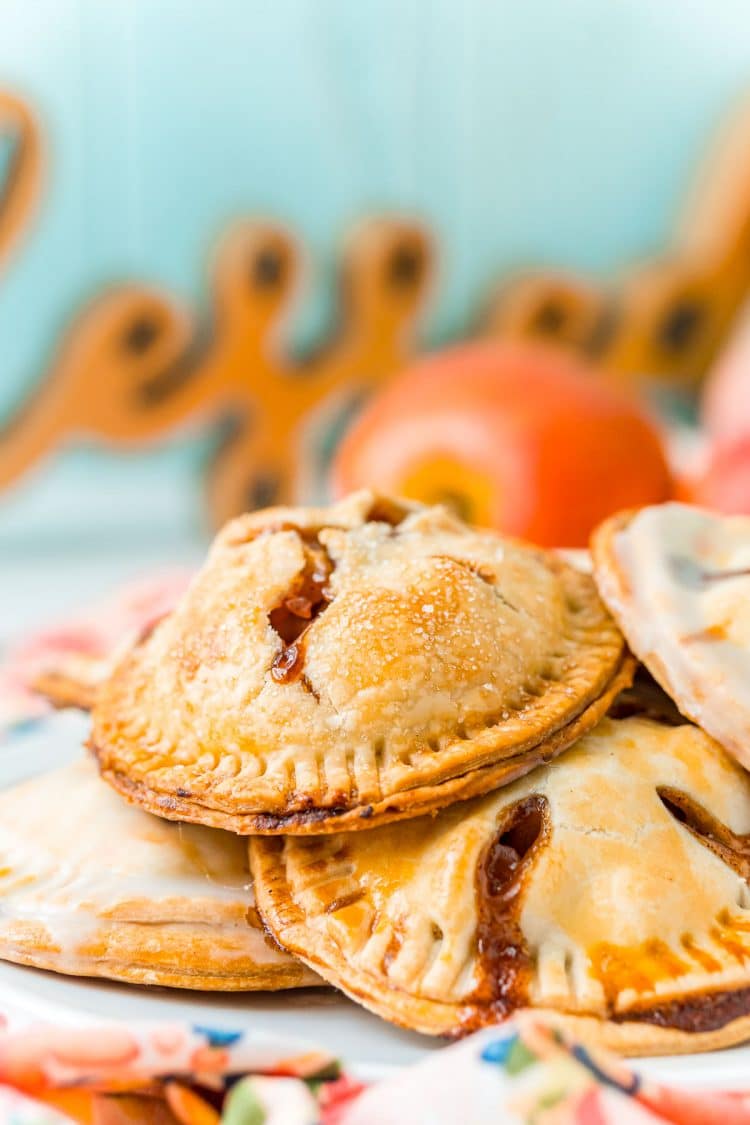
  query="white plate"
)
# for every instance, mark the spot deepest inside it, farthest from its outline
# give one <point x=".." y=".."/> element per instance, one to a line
<point x="366" y="1043"/>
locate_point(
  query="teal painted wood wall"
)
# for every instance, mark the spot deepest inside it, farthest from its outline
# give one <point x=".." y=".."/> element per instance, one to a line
<point x="546" y="131"/>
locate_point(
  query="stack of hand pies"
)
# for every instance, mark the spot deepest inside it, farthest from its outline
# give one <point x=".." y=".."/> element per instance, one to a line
<point x="456" y="797"/>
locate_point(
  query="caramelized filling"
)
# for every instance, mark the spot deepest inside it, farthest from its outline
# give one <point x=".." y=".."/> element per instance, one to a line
<point x="641" y="968"/>
<point x="647" y="699"/>
<point x="287" y="665"/>
<point x="505" y="962"/>
<point x="384" y="510"/>
<point x="734" y="850"/>
<point x="311" y="592"/>
<point x="309" y="596"/>
<point x="706" y="1011"/>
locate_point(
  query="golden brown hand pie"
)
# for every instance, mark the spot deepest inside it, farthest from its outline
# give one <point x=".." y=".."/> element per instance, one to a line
<point x="340" y="667"/>
<point x="677" y="579"/>
<point x="608" y="887"/>
<point x="92" y="887"/>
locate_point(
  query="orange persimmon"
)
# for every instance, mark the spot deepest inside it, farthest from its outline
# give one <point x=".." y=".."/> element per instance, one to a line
<point x="514" y="436"/>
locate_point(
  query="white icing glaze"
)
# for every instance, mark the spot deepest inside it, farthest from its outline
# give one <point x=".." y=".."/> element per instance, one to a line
<point x="74" y="857"/>
<point x="691" y="628"/>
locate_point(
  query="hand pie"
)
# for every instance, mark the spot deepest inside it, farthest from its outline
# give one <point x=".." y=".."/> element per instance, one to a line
<point x="72" y="679"/>
<point x="92" y="887"/>
<point x="340" y="667"/>
<point x="608" y="887"/>
<point x="677" y="579"/>
<point x="67" y="663"/>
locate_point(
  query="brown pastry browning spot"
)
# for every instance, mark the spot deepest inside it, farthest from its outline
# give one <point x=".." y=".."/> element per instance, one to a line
<point x="343" y="901"/>
<point x="270" y="822"/>
<point x="734" y="850"/>
<point x="378" y="753"/>
<point x="702" y="1012"/>
<point x="317" y="867"/>
<point x="308" y="686"/>
<point x="505" y="963"/>
<point x="309" y="596"/>
<point x="255" y="920"/>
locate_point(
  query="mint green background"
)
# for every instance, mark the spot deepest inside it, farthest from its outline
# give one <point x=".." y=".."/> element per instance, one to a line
<point x="540" y="131"/>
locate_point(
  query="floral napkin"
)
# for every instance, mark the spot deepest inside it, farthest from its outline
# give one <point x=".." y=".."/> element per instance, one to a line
<point x="93" y="633"/>
<point x="524" y="1072"/>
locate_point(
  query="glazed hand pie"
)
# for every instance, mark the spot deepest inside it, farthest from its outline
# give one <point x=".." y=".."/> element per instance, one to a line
<point x="677" y="579"/>
<point x="340" y="667"/>
<point x="92" y="887"/>
<point x="608" y="887"/>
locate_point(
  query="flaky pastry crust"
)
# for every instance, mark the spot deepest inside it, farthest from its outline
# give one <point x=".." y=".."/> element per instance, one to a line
<point x="72" y="681"/>
<point x="608" y="888"/>
<point x="92" y="887"/>
<point x="346" y="666"/>
<point x="677" y="579"/>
